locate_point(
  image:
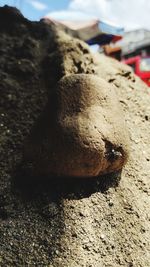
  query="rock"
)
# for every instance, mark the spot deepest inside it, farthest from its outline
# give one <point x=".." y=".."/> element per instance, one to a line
<point x="81" y="132"/>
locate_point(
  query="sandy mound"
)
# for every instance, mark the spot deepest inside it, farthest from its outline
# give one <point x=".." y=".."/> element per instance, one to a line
<point x="84" y="223"/>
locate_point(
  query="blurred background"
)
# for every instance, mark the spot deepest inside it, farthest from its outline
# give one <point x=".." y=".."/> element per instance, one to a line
<point x="120" y="29"/>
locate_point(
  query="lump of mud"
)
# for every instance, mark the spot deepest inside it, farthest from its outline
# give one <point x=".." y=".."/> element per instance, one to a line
<point x="82" y="131"/>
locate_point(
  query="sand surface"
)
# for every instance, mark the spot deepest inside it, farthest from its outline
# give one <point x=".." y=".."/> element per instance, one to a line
<point x="44" y="222"/>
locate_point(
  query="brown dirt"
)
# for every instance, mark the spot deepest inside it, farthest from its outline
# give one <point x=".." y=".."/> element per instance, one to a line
<point x="101" y="222"/>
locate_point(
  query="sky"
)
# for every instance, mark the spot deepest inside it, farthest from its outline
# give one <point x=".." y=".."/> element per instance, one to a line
<point x="131" y="14"/>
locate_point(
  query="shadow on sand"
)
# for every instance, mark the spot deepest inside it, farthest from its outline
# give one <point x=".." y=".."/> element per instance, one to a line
<point x="62" y="187"/>
<point x="42" y="200"/>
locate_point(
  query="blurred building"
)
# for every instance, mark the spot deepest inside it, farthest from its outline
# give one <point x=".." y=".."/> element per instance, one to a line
<point x="135" y="43"/>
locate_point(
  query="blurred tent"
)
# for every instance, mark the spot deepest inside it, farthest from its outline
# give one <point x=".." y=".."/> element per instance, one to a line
<point x="90" y="31"/>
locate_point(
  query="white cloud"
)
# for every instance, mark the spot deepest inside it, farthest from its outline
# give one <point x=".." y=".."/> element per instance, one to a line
<point x="70" y="15"/>
<point x="37" y="5"/>
<point x="128" y="13"/>
<point x="98" y="7"/>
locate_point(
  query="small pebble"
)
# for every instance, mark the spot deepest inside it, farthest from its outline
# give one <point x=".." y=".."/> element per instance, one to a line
<point x="111" y="203"/>
<point x="57" y="252"/>
<point x="10" y="97"/>
<point x="102" y="236"/>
